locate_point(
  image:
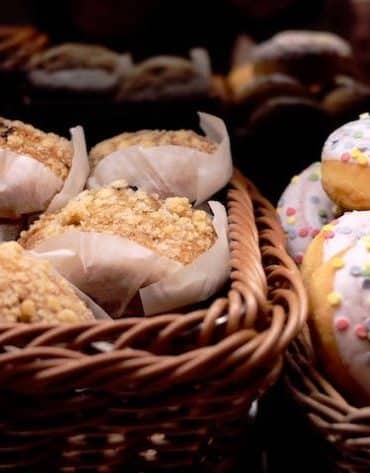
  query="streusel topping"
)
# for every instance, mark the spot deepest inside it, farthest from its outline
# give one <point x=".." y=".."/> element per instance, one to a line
<point x="150" y="138"/>
<point x="50" y="149"/>
<point x="170" y="227"/>
<point x="31" y="291"/>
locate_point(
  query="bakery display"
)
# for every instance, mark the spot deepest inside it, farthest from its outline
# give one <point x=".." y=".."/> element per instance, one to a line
<point x="345" y="165"/>
<point x="32" y="292"/>
<point x="304" y="209"/>
<point x="169" y="163"/>
<point x="114" y="242"/>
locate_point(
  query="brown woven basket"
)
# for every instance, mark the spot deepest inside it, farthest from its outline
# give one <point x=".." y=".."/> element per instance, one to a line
<point x="345" y="429"/>
<point x="167" y="393"/>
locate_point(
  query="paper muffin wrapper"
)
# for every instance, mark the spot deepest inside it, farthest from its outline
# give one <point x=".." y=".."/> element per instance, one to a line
<point x="172" y="170"/>
<point x="112" y="269"/>
<point x="28" y="186"/>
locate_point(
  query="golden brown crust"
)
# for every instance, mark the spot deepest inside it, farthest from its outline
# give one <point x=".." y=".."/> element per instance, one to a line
<point x="347" y="184"/>
<point x="150" y="138"/>
<point x="31" y="291"/>
<point x="169" y="227"/>
<point x="52" y="150"/>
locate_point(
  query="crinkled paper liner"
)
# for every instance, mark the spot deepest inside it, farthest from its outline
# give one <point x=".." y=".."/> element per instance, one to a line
<point x="112" y="269"/>
<point x="172" y="170"/>
<point x="27" y="185"/>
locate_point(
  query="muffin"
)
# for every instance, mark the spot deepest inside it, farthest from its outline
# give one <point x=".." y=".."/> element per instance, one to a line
<point x="168" y="78"/>
<point x="39" y="170"/>
<point x="113" y="242"/>
<point x="31" y="291"/>
<point x="169" y="163"/>
<point x="75" y="69"/>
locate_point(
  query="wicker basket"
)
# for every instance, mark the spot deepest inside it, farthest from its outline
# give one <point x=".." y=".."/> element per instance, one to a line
<point x="167" y="393"/>
<point x="345" y="429"/>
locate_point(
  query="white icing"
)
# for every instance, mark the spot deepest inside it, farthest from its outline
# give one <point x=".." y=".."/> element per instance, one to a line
<point x="347" y="230"/>
<point x="355" y="308"/>
<point x="353" y="136"/>
<point x="308" y="198"/>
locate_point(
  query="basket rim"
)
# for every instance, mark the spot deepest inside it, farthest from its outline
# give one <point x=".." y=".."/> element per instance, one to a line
<point x="266" y="289"/>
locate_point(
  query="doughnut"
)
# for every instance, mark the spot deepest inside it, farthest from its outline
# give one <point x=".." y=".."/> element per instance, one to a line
<point x="310" y="56"/>
<point x="304" y="209"/>
<point x="346" y="166"/>
<point x="333" y="238"/>
<point x="339" y="292"/>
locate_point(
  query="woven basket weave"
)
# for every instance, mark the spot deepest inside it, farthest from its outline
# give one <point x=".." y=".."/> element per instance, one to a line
<point x="167" y="393"/>
<point x="344" y="428"/>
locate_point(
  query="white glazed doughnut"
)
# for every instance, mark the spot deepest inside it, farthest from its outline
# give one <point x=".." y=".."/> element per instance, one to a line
<point x="303" y="209"/>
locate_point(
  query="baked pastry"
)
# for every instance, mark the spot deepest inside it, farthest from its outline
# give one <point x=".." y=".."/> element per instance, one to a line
<point x="347" y="101"/>
<point x="168" y="77"/>
<point x="169" y="163"/>
<point x="303" y="209"/>
<point x="339" y="293"/>
<point x="75" y="68"/>
<point x="310" y="56"/>
<point x="18" y="44"/>
<point x="113" y="241"/>
<point x="35" y="167"/>
<point x="345" y="165"/>
<point x="262" y="88"/>
<point x="334" y="238"/>
<point x="32" y="291"/>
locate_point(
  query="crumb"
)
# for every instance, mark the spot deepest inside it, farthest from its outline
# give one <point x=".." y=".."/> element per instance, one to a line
<point x="149" y="138"/>
<point x="169" y="227"/>
<point x="52" y="150"/>
<point x="31" y="291"/>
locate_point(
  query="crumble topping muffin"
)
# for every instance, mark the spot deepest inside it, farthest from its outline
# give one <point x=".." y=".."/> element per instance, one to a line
<point x="52" y="150"/>
<point x="31" y="291"/>
<point x="169" y="227"/>
<point x="152" y="138"/>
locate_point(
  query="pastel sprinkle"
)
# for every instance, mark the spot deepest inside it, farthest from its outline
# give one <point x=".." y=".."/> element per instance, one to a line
<point x="360" y="331"/>
<point x="314" y="199"/>
<point x="334" y="299"/>
<point x="323" y="214"/>
<point x="337" y="263"/>
<point x="366" y="239"/>
<point x="298" y="258"/>
<point x="341" y="324"/>
<point x="315" y="232"/>
<point x="345" y="157"/>
<point x="355" y="271"/>
<point x="327" y="228"/>
<point x="303" y="232"/>
<point x="314" y="177"/>
<point x="294" y="179"/>
<point x="358" y="134"/>
<point x="355" y="153"/>
<point x="290" y="211"/>
<point x="366" y="273"/>
<point x="366" y="284"/>
<point x="328" y="235"/>
<point x="292" y="234"/>
<point x="291" y="220"/>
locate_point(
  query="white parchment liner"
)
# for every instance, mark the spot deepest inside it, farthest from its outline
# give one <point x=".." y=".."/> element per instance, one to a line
<point x="172" y="170"/>
<point x="27" y="185"/>
<point x="111" y="269"/>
